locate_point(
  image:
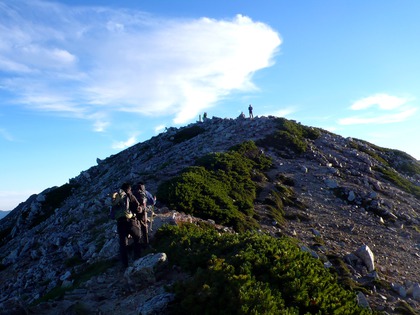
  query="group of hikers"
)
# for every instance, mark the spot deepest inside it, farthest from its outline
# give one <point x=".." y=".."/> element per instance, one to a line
<point x="250" y="109"/>
<point x="129" y="209"/>
<point x="242" y="115"/>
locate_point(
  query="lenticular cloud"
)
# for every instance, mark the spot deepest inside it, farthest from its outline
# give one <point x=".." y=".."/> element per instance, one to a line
<point x="104" y="60"/>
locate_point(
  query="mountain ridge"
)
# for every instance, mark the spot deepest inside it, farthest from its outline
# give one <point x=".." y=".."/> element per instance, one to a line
<point x="3" y="213"/>
<point x="354" y="193"/>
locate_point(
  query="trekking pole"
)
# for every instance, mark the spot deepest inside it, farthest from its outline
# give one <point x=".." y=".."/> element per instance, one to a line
<point x="151" y="218"/>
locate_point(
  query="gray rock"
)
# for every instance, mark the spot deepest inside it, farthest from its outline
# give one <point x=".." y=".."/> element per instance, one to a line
<point x="414" y="291"/>
<point x="156" y="305"/>
<point x="351" y="196"/>
<point x="399" y="289"/>
<point x="142" y="272"/>
<point x="331" y="183"/>
<point x="362" y="301"/>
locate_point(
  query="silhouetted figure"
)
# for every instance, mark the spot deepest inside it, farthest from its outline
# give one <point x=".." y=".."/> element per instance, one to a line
<point x="141" y="194"/>
<point x="251" y="115"/>
<point x="127" y="223"/>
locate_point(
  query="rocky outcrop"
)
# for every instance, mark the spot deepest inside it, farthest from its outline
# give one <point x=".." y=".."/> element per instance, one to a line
<point x="354" y="206"/>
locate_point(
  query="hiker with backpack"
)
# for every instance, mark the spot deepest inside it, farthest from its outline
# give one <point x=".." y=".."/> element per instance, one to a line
<point x="124" y="202"/>
<point x="144" y="197"/>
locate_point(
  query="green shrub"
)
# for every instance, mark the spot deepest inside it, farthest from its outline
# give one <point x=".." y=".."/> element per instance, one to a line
<point x="250" y="150"/>
<point x="53" y="200"/>
<point x="275" y="206"/>
<point x="219" y="187"/>
<point x="250" y="273"/>
<point x="405" y="309"/>
<point x="285" y="180"/>
<point x="399" y="181"/>
<point x="284" y="141"/>
<point x="55" y="197"/>
<point x="187" y="133"/>
<point x="370" y="149"/>
<point x="409" y="167"/>
<point x="290" y="137"/>
<point x="298" y="129"/>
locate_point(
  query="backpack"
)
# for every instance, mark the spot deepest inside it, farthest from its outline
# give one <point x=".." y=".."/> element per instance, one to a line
<point x="116" y="203"/>
<point x="150" y="199"/>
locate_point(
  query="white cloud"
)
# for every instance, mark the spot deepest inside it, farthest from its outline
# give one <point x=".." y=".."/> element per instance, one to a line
<point x="381" y="119"/>
<point x="100" y="126"/>
<point x="104" y="60"/>
<point x="284" y="112"/>
<point x="159" y="129"/>
<point x="390" y="109"/>
<point x="383" y="101"/>
<point x="120" y="145"/>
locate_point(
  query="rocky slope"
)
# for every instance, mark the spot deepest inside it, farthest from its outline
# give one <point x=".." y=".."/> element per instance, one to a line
<point x="352" y="195"/>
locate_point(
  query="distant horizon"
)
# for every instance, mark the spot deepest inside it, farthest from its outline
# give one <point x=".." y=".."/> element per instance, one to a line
<point x="81" y="80"/>
<point x="4" y="213"/>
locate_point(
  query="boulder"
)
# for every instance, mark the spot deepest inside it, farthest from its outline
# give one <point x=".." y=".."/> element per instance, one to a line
<point x="156" y="305"/>
<point x="366" y="255"/>
<point x="142" y="272"/>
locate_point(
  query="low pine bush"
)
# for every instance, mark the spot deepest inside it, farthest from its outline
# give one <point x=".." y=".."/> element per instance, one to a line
<point x="219" y="187"/>
<point x="250" y="273"/>
<point x="290" y="137"/>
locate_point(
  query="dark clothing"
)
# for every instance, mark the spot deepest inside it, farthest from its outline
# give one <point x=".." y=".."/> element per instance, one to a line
<point x="127" y="227"/>
<point x="140" y="194"/>
<point x="251" y="115"/>
<point x="134" y="203"/>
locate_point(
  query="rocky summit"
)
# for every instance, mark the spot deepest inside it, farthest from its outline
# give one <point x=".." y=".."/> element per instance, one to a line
<point x="352" y="204"/>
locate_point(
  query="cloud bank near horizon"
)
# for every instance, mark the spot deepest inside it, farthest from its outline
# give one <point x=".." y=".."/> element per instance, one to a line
<point x="88" y="62"/>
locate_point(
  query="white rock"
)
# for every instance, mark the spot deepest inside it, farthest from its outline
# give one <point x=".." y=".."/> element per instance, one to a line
<point x="366" y="255"/>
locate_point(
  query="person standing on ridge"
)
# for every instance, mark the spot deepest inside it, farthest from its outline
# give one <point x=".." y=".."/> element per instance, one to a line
<point x="251" y="115"/>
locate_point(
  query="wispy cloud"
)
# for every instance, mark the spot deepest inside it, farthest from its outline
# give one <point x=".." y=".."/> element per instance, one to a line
<point x="119" y="145"/>
<point x="283" y="112"/>
<point x="159" y="128"/>
<point x="6" y="135"/>
<point x="380" y="109"/>
<point x="383" y="101"/>
<point x="82" y="61"/>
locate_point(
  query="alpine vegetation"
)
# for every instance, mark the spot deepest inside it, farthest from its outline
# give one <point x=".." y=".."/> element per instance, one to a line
<point x="241" y="216"/>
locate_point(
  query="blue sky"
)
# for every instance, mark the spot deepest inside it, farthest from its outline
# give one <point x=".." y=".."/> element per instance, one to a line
<point x="81" y="80"/>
